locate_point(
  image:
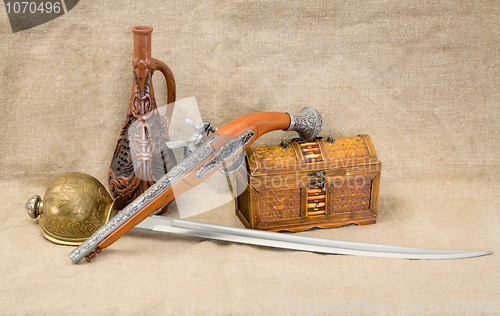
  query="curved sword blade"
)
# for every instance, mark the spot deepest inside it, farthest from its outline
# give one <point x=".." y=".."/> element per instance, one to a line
<point x="295" y="242"/>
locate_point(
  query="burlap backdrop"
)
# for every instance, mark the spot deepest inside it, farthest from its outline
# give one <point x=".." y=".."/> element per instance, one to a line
<point x="420" y="77"/>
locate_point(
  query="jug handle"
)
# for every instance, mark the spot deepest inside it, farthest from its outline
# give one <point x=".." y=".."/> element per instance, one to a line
<point x="169" y="77"/>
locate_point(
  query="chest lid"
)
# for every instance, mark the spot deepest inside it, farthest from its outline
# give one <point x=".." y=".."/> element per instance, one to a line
<point x="317" y="154"/>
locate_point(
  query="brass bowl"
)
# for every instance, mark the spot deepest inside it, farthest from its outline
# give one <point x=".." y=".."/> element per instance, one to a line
<point x="75" y="205"/>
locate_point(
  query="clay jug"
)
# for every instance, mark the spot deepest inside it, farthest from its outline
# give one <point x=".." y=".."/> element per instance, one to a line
<point x="141" y="156"/>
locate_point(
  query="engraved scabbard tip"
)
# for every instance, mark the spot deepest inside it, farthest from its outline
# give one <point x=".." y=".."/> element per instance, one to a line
<point x="33" y="206"/>
<point x="307" y="123"/>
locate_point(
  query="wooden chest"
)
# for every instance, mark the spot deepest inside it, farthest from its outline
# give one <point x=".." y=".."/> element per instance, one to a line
<point x="303" y="184"/>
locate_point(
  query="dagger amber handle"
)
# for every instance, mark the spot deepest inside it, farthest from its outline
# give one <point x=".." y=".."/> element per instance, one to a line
<point x="221" y="147"/>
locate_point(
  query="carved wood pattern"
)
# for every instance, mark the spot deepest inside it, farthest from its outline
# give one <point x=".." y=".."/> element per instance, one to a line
<point x="279" y="204"/>
<point x="352" y="180"/>
<point x="350" y="196"/>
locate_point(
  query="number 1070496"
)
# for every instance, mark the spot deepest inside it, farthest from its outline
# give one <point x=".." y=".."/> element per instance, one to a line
<point x="32" y="7"/>
<point x="469" y="306"/>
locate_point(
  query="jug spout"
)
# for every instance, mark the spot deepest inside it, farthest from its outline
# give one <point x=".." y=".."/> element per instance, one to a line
<point x="142" y="43"/>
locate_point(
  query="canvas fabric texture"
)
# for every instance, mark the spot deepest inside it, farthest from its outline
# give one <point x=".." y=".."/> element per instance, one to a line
<point x="420" y="77"/>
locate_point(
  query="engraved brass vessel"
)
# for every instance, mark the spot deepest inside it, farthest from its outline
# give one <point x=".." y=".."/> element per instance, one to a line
<point x="75" y="205"/>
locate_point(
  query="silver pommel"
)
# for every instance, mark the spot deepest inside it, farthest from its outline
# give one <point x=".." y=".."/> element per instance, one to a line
<point x="307" y="123"/>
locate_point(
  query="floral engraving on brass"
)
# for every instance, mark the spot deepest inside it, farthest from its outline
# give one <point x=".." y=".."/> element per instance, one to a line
<point x="75" y="205"/>
<point x="225" y="153"/>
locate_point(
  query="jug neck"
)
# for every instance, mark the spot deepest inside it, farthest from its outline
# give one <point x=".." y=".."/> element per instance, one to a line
<point x="142" y="43"/>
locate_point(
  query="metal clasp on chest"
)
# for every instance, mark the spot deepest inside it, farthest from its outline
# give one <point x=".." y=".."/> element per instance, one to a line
<point x="314" y="197"/>
<point x="317" y="180"/>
